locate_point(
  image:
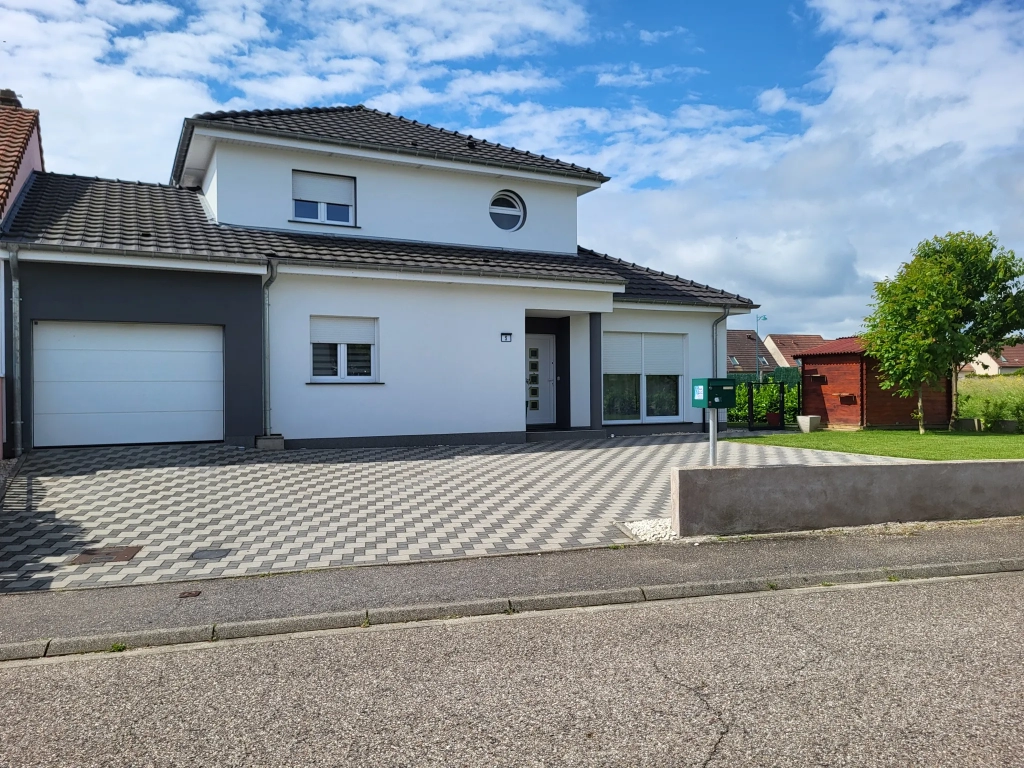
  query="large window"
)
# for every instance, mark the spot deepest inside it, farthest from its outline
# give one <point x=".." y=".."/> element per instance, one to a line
<point x="343" y="349"/>
<point x="322" y="198"/>
<point x="642" y="377"/>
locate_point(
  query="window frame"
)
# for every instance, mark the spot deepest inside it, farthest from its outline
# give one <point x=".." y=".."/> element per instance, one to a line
<point x="322" y="206"/>
<point x="644" y="418"/>
<point x="343" y="377"/>
<point x="520" y="209"/>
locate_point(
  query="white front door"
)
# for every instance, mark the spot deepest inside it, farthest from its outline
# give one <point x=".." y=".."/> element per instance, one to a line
<point x="540" y="378"/>
<point x="117" y="383"/>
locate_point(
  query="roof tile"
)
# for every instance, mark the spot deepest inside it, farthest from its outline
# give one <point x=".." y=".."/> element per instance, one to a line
<point x="16" y="127"/>
<point x="80" y="213"/>
<point x="360" y="126"/>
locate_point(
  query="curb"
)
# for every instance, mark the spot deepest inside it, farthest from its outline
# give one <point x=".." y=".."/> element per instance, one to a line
<point x="34" y="649"/>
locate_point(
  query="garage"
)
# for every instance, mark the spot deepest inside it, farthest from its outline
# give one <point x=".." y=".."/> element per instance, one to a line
<point x="118" y="383"/>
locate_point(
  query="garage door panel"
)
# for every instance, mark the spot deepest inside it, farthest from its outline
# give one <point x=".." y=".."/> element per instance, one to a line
<point x="117" y="383"/>
<point x="56" y="397"/>
<point x="121" y="428"/>
<point x="127" y="365"/>
<point x="128" y="337"/>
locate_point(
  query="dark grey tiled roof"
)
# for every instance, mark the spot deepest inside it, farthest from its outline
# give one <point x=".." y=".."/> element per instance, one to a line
<point x="77" y="213"/>
<point x="360" y="126"/>
<point x="650" y="286"/>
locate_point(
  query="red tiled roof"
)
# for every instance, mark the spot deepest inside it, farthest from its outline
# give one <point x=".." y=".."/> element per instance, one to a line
<point x="843" y="346"/>
<point x="793" y="344"/>
<point x="16" y="127"/>
<point x="1014" y="357"/>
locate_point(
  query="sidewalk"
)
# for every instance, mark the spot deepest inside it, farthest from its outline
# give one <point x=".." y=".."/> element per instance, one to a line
<point x="94" y="619"/>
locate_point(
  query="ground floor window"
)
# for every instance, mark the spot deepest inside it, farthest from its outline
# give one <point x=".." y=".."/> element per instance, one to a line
<point x="343" y="349"/>
<point x="642" y="376"/>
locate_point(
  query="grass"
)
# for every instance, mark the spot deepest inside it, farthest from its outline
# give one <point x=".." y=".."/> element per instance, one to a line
<point x="906" y="444"/>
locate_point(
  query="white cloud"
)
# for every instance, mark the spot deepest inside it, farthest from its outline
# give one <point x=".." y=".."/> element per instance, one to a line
<point x="648" y="37"/>
<point x="635" y="76"/>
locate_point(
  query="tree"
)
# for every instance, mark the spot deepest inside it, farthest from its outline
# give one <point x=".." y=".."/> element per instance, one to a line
<point x="960" y="295"/>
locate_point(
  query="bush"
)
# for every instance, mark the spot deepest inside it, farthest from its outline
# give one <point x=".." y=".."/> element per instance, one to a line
<point x="766" y="400"/>
<point x="992" y="399"/>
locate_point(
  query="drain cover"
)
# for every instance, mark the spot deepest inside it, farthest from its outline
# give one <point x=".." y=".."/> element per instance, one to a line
<point x="98" y="555"/>
<point x="210" y="554"/>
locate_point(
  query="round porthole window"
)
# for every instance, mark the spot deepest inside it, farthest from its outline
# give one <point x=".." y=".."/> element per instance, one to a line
<point x="508" y="210"/>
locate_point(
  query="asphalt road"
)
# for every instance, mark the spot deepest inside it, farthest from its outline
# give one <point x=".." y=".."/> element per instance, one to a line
<point x="908" y="674"/>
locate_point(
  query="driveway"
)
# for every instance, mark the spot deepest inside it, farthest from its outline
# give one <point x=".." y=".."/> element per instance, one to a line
<point x="206" y="511"/>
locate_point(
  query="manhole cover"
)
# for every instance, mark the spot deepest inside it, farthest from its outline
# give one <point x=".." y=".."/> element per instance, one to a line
<point x="97" y="555"/>
<point x="210" y="554"/>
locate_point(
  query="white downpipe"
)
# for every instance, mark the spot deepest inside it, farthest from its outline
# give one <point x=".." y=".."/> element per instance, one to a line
<point x="272" y="276"/>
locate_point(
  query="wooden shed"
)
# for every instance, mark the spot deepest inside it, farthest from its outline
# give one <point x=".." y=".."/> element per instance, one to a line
<point x="841" y="385"/>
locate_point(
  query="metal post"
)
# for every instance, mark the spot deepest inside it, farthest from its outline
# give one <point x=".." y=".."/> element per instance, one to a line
<point x="782" y="404"/>
<point x="713" y="428"/>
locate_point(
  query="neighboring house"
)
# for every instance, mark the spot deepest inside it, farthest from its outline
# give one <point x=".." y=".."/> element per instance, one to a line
<point x="841" y="385"/>
<point x="419" y="286"/>
<point x="784" y="347"/>
<point x="746" y="353"/>
<point x="21" y="153"/>
<point x="1010" y="360"/>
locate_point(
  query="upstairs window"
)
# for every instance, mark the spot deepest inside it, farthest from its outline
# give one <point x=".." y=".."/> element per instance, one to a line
<point x="344" y="349"/>
<point x="508" y="211"/>
<point x="323" y="198"/>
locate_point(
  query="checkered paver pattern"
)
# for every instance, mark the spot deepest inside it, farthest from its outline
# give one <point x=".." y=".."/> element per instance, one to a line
<point x="310" y="509"/>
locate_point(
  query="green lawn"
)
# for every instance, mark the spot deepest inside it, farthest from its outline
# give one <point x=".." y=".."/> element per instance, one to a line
<point x="936" y="446"/>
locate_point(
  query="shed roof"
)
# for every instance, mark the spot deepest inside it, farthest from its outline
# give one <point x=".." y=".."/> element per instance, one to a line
<point x="791" y="345"/>
<point x="845" y="345"/>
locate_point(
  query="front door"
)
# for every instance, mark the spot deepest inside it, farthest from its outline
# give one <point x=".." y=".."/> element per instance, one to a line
<point x="540" y="378"/>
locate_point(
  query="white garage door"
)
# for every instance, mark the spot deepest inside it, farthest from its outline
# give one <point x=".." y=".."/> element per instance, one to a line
<point x="110" y="383"/>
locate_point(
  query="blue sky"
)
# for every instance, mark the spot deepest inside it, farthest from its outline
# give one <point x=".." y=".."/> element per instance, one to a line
<point x="793" y="152"/>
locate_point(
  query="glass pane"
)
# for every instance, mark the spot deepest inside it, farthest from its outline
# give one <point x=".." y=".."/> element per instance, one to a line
<point x="338" y="213"/>
<point x="622" y="397"/>
<point x="359" y="360"/>
<point x="535" y="378"/>
<point x="662" y="395"/>
<point x="534" y="353"/>
<point x="534" y="391"/>
<point x="325" y="359"/>
<point x="534" y="405"/>
<point x="307" y="209"/>
<point x="504" y="202"/>
<point x="506" y="220"/>
<point x="534" y="366"/>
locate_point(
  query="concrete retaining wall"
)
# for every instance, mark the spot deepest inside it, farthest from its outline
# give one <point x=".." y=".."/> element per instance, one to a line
<point x="730" y="500"/>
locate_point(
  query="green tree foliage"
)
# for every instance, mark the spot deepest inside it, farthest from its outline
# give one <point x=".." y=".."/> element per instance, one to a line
<point x="960" y="295"/>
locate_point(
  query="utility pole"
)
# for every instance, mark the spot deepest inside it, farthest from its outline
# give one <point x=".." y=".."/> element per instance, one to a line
<point x="757" y="341"/>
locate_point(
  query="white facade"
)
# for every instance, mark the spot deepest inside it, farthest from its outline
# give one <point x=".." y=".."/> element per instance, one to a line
<point x="442" y="367"/>
<point x="251" y="185"/>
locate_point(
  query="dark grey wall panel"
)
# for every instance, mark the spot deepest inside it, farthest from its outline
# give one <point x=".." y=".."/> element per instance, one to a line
<point x="120" y="294"/>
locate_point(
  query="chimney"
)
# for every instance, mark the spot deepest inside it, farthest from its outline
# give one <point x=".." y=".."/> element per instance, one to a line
<point x="8" y="98"/>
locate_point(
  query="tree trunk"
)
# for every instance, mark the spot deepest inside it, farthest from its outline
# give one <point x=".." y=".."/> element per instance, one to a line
<point x="954" y="390"/>
<point x="920" y="409"/>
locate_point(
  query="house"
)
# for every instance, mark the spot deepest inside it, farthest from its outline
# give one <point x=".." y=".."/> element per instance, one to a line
<point x="342" y="276"/>
<point x="1009" y="360"/>
<point x="21" y="153"/>
<point x="841" y="385"/>
<point x="746" y="353"/>
<point x="784" y="347"/>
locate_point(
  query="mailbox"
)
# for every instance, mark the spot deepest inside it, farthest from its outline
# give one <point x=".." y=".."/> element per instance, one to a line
<point x="714" y="393"/>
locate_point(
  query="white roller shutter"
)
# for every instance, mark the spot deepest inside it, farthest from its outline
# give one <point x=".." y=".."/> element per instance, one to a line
<point x="622" y="353"/>
<point x="342" y="330"/>
<point x="323" y="188"/>
<point x="663" y="354"/>
<point x="118" y="383"/>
